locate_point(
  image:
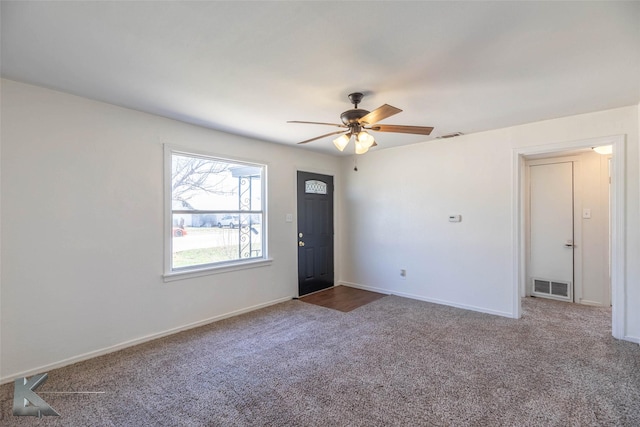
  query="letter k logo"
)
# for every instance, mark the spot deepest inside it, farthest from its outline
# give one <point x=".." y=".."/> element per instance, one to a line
<point x="26" y="402"/>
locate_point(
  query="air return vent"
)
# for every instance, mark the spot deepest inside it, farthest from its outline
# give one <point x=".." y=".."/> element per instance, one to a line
<point x="552" y="289"/>
<point x="450" y="135"/>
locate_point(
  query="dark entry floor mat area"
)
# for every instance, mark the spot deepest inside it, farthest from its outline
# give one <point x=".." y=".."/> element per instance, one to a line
<point x="342" y="298"/>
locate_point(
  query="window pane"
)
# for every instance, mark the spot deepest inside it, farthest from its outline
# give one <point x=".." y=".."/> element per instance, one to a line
<point x="197" y="246"/>
<point x="217" y="211"/>
<point x="204" y="183"/>
<point x="315" y="187"/>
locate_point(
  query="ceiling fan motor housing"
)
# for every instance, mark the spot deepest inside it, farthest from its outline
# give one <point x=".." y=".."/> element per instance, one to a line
<point x="353" y="116"/>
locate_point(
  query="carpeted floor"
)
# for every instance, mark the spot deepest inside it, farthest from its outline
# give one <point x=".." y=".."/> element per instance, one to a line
<point x="392" y="362"/>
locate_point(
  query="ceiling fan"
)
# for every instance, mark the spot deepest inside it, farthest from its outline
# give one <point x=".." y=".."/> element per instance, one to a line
<point x="357" y="122"/>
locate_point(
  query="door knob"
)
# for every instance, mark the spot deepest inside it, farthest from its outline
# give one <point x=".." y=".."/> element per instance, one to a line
<point x="301" y="243"/>
<point x="569" y="244"/>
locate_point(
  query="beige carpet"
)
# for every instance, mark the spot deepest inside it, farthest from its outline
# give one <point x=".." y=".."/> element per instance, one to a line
<point x="392" y="362"/>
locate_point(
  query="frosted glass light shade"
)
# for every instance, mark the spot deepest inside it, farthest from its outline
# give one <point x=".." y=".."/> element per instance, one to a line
<point x="360" y="147"/>
<point x="342" y="141"/>
<point x="604" y="149"/>
<point x="365" y="139"/>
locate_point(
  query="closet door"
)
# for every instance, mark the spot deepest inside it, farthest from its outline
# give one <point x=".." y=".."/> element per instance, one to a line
<point x="551" y="222"/>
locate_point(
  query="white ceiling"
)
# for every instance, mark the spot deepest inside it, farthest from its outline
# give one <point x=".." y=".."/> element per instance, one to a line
<point x="248" y="67"/>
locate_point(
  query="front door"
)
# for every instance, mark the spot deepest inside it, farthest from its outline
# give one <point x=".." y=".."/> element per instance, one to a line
<point x="551" y="222"/>
<point x="315" y="232"/>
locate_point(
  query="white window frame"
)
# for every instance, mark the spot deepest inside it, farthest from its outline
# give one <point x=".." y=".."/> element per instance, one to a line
<point x="215" y="268"/>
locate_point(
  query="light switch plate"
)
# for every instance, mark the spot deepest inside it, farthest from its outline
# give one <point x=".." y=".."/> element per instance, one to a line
<point x="586" y="213"/>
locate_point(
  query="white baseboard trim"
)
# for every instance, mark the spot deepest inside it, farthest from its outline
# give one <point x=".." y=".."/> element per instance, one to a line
<point x="432" y="300"/>
<point x="591" y="303"/>
<point x="632" y="339"/>
<point x="90" y="355"/>
<point x="366" y="288"/>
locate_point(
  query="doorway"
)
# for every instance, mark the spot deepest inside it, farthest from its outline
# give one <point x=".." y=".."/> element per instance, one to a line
<point x="551" y="230"/>
<point x="315" y="232"/>
<point x="616" y="223"/>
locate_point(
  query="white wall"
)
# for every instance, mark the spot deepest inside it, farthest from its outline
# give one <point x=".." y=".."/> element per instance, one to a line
<point x="82" y="228"/>
<point x="594" y="187"/>
<point x="396" y="213"/>
<point x="396" y="207"/>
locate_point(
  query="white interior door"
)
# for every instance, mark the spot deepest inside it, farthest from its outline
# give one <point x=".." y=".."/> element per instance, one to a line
<point x="551" y="232"/>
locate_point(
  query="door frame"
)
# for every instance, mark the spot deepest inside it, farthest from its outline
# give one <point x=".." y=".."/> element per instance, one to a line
<point x="336" y="225"/>
<point x="617" y="221"/>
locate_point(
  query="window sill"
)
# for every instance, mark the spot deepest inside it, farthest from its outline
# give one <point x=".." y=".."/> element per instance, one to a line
<point x="226" y="268"/>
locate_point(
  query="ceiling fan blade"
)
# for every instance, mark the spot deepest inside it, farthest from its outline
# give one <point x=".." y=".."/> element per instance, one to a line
<point x="322" y="136"/>
<point x="318" y="123"/>
<point x="380" y="113"/>
<point x="418" y="130"/>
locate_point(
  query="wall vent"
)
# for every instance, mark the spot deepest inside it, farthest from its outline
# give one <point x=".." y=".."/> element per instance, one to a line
<point x="552" y="289"/>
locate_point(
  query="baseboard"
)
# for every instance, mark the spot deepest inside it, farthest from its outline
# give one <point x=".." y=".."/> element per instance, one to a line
<point x="632" y="339"/>
<point x="432" y="300"/>
<point x="591" y="303"/>
<point x="131" y="343"/>
<point x="366" y="288"/>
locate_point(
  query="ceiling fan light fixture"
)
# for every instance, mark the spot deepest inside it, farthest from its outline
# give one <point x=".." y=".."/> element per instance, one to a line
<point x="365" y="139"/>
<point x="342" y="141"/>
<point x="360" y="147"/>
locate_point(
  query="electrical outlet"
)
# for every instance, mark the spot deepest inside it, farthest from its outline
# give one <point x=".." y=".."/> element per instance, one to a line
<point x="403" y="273"/>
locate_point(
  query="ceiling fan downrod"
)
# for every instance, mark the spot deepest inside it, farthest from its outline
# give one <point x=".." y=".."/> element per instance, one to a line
<point x="356" y="98"/>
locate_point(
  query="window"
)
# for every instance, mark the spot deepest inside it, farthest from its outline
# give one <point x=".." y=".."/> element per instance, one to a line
<point x="217" y="213"/>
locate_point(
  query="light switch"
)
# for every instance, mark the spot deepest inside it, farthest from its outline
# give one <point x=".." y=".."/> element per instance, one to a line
<point x="455" y="218"/>
<point x="586" y="213"/>
<point x="289" y="218"/>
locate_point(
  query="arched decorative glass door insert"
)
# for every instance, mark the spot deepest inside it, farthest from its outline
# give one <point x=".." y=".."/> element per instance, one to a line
<point x="315" y="187"/>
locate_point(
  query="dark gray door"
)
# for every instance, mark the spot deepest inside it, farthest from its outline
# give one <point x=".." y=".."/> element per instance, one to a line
<point x="315" y="232"/>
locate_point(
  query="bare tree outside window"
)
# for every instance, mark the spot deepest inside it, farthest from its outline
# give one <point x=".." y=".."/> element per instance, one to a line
<point x="191" y="175"/>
